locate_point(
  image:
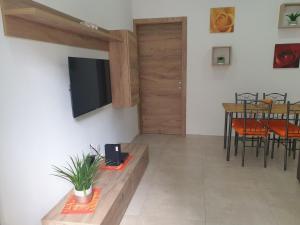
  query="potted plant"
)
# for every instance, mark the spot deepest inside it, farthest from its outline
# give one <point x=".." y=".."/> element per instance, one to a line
<point x="220" y="60"/>
<point x="293" y="18"/>
<point x="81" y="172"/>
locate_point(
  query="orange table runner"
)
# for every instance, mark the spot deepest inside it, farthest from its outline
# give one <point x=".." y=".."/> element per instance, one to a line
<point x="121" y="167"/>
<point x="72" y="207"/>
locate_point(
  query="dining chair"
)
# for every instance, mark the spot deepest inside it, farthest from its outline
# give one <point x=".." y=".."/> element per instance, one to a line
<point x="289" y="129"/>
<point x="277" y="98"/>
<point x="248" y="97"/>
<point x="240" y="98"/>
<point x="251" y="129"/>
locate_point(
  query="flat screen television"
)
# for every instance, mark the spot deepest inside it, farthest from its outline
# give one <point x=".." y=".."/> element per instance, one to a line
<point x="89" y="84"/>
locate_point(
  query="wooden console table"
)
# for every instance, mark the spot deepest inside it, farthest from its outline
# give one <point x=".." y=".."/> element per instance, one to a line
<point x="117" y="189"/>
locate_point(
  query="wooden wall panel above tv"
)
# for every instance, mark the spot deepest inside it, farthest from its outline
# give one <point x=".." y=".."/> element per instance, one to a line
<point x="31" y="20"/>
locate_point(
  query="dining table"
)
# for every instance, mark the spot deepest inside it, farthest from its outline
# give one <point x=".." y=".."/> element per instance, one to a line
<point x="232" y="108"/>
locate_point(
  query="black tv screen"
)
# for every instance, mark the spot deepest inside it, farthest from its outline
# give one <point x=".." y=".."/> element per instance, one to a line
<point x="90" y="84"/>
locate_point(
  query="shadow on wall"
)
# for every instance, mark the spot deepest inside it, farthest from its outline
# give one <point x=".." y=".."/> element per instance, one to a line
<point x="288" y="34"/>
<point x="92" y="113"/>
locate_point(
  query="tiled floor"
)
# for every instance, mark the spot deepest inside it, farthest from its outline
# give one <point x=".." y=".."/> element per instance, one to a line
<point x="188" y="182"/>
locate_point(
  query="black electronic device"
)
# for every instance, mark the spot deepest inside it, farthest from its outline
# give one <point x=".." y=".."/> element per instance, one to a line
<point x="114" y="156"/>
<point x="89" y="84"/>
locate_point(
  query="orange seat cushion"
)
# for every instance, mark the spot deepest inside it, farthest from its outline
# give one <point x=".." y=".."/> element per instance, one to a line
<point x="238" y="122"/>
<point x="268" y="101"/>
<point x="293" y="130"/>
<point x="253" y="128"/>
<point x="274" y="123"/>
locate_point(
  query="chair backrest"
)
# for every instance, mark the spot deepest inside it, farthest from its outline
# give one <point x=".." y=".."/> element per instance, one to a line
<point x="277" y="98"/>
<point x="242" y="97"/>
<point x="256" y="110"/>
<point x="293" y="112"/>
<point x="248" y="97"/>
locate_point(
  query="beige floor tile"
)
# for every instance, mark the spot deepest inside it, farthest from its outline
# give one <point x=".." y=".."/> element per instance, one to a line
<point x="138" y="200"/>
<point x="130" y="220"/>
<point x="177" y="220"/>
<point x="286" y="215"/>
<point x="178" y="175"/>
<point x="189" y="182"/>
<point x="169" y="206"/>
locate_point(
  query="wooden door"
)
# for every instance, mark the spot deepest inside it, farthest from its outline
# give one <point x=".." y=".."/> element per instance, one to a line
<point x="162" y="63"/>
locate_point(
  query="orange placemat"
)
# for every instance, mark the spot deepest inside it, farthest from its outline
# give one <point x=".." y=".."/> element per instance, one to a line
<point x="121" y="167"/>
<point x="72" y="207"/>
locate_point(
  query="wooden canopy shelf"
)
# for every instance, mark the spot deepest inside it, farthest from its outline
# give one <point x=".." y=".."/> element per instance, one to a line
<point x="46" y="18"/>
<point x="31" y="20"/>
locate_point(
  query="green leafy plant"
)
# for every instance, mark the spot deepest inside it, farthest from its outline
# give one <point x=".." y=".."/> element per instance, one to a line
<point x="293" y="16"/>
<point x="81" y="172"/>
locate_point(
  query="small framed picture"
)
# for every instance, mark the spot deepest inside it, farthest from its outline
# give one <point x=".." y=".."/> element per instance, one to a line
<point x="221" y="55"/>
<point x="286" y="56"/>
<point x="222" y="20"/>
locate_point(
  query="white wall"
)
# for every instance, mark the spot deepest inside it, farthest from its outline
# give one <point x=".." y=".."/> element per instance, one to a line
<point x="36" y="125"/>
<point x="253" y="42"/>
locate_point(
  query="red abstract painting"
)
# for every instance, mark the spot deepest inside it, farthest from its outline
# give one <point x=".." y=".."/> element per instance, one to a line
<point x="287" y="56"/>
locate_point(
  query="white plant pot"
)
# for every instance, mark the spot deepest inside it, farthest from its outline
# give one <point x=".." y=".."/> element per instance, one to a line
<point x="84" y="197"/>
<point x="293" y="23"/>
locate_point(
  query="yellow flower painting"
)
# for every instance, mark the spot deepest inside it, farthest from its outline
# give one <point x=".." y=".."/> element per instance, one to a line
<point x="222" y="20"/>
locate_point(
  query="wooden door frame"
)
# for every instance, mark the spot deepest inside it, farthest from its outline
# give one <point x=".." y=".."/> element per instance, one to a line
<point x="183" y="22"/>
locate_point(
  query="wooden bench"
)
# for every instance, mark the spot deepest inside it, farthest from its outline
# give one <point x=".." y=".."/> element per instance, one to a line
<point x="117" y="189"/>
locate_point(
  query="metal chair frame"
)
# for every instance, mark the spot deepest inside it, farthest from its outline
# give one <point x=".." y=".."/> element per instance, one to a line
<point x="277" y="98"/>
<point x="248" y="97"/>
<point x="255" y="110"/>
<point x="240" y="99"/>
<point x="289" y="141"/>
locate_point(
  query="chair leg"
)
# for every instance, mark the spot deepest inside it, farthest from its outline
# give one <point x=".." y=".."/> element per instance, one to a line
<point x="268" y="145"/>
<point x="266" y="151"/>
<point x="294" y="149"/>
<point x="260" y="141"/>
<point x="286" y="154"/>
<point x="236" y="144"/>
<point x="235" y="139"/>
<point x="257" y="147"/>
<point x="244" y="151"/>
<point x="278" y="142"/>
<point x="229" y="137"/>
<point x="273" y="146"/>
<point x="225" y="129"/>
